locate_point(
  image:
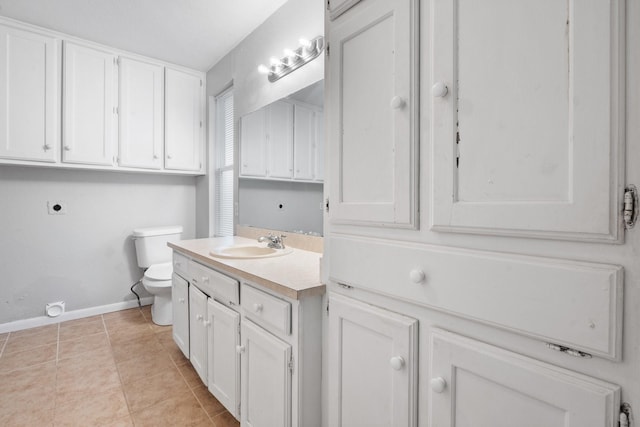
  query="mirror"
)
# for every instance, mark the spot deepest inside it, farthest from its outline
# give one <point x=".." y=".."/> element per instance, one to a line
<point x="290" y="196"/>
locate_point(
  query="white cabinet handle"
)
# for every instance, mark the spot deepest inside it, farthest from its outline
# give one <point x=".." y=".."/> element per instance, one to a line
<point x="199" y="317"/>
<point x="240" y="349"/>
<point x="397" y="102"/>
<point x="257" y="307"/>
<point x="205" y="279"/>
<point x="438" y="384"/>
<point x="155" y="157"/>
<point x="67" y="148"/>
<point x="47" y="147"/>
<point x="181" y="300"/>
<point x="396" y="362"/>
<point x="439" y="90"/>
<point x="417" y="276"/>
<point x="206" y="323"/>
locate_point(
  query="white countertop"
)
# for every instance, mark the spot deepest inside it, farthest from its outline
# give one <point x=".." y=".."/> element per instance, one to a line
<point x="294" y="275"/>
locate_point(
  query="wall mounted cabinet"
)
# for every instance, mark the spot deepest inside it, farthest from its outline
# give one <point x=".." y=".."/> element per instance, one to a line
<point x="29" y="95"/>
<point x="308" y="143"/>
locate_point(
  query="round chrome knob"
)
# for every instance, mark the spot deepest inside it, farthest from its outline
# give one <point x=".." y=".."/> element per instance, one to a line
<point x="439" y="90"/>
<point x="396" y="362"/>
<point x="397" y="102"/>
<point x="257" y="307"/>
<point x="438" y="384"/>
<point x="417" y="276"/>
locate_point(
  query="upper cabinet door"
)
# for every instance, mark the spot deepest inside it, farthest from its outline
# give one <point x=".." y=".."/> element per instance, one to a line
<point x="141" y="114"/>
<point x="252" y="144"/>
<point x="527" y="118"/>
<point x="183" y="120"/>
<point x="373" y="114"/>
<point x="89" y="105"/>
<point x="280" y="140"/>
<point x="29" y="95"/>
<point x="475" y="384"/>
<point x="304" y="142"/>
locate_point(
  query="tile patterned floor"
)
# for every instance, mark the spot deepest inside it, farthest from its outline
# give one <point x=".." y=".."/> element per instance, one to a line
<point x="116" y="369"/>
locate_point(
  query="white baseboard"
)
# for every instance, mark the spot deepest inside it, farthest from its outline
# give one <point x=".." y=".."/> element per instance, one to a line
<point x="71" y="315"/>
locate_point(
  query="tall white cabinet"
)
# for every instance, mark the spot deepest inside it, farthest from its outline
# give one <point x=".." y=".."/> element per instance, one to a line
<point x="476" y="186"/>
<point x="29" y="95"/>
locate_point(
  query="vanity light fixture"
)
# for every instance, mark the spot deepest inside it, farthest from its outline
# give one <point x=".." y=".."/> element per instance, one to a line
<point x="293" y="59"/>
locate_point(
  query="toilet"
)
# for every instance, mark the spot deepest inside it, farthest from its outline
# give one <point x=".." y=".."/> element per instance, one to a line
<point x="155" y="257"/>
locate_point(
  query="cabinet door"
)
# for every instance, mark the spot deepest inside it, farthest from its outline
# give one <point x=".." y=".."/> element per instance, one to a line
<point x="253" y="130"/>
<point x="183" y="120"/>
<point x="280" y="140"/>
<point x="319" y="150"/>
<point x="372" y="365"/>
<point x="530" y="144"/>
<point x="304" y="143"/>
<point x="475" y="384"/>
<point x="198" y="331"/>
<point x="89" y="105"/>
<point x="224" y="360"/>
<point x="141" y="114"/>
<point x="180" y="306"/>
<point x="29" y="96"/>
<point x="266" y="378"/>
<point x="372" y="105"/>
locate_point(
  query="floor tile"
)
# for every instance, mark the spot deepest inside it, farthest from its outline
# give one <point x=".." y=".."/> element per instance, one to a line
<point x="190" y="375"/>
<point x="182" y="411"/>
<point x="22" y="342"/>
<point x="225" y="419"/>
<point x="40" y="417"/>
<point x="166" y="340"/>
<point x="28" y="378"/>
<point x="129" y="332"/>
<point x="26" y="358"/>
<point x="69" y="331"/>
<point x="50" y="329"/>
<point x="209" y="403"/>
<point x="154" y="389"/>
<point x="89" y="344"/>
<point x="136" y="347"/>
<point x="76" y="380"/>
<point x="121" y="422"/>
<point x="93" y="409"/>
<point x="142" y="367"/>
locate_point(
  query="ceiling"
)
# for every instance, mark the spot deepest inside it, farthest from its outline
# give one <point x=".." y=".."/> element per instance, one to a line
<point x="192" y="33"/>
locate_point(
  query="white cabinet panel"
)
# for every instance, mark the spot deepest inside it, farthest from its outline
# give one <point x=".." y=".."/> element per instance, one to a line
<point x="253" y="154"/>
<point x="198" y="332"/>
<point x="266" y="378"/>
<point x="89" y="99"/>
<point x="29" y="95"/>
<point x="141" y="114"/>
<point x="223" y="359"/>
<point x="372" y="365"/>
<point x="280" y="140"/>
<point x="531" y="144"/>
<point x="319" y="161"/>
<point x="183" y="120"/>
<point x="304" y="143"/>
<point x="475" y="384"/>
<point x="372" y="108"/>
<point x="180" y="307"/>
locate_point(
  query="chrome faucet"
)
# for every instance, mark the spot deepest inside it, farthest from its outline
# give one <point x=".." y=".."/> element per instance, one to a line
<point x="275" y="242"/>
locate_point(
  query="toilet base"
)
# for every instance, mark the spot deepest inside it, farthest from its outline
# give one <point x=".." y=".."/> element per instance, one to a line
<point x="161" y="310"/>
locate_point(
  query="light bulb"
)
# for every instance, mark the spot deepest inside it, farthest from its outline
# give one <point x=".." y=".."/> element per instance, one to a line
<point x="305" y="43"/>
<point x="275" y="61"/>
<point x="290" y="53"/>
<point x="263" y="69"/>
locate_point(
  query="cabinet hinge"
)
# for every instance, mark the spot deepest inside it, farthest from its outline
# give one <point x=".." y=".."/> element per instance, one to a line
<point x="115" y="111"/>
<point x="326" y="204"/>
<point x="327" y="48"/>
<point x="567" y="350"/>
<point x="290" y="364"/>
<point x="201" y="124"/>
<point x="200" y="82"/>
<point x="630" y="211"/>
<point x="327" y="307"/>
<point x="625" y="416"/>
<point x="328" y="4"/>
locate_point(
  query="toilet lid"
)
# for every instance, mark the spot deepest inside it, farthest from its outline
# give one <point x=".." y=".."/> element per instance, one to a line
<point x="159" y="271"/>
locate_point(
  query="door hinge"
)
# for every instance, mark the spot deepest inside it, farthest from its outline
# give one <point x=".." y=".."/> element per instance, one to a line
<point x="327" y="307"/>
<point x="567" y="350"/>
<point x="630" y="211"/>
<point x="326" y="204"/>
<point x="327" y="49"/>
<point x="200" y="82"/>
<point x="290" y="364"/>
<point x="625" y="415"/>
<point x="328" y="4"/>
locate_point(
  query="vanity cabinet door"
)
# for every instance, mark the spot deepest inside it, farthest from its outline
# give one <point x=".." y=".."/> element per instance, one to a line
<point x="372" y="366"/>
<point x="266" y="378"/>
<point x="198" y="331"/>
<point x="184" y="134"/>
<point x="141" y="114"/>
<point x="475" y="384"/>
<point x="89" y="101"/>
<point x="372" y="108"/>
<point x="252" y="144"/>
<point x="180" y="307"/>
<point x="223" y="358"/>
<point x="280" y="140"/>
<point x="29" y="95"/>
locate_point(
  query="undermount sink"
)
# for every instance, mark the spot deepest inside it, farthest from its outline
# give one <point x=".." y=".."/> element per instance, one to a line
<point x="248" y="251"/>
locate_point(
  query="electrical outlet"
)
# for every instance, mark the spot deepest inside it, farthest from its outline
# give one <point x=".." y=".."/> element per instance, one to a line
<point x="57" y="208"/>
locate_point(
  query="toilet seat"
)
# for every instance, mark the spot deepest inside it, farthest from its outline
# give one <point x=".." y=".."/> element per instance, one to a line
<point x="159" y="272"/>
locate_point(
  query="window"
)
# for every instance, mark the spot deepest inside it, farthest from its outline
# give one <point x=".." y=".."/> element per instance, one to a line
<point x="223" y="147"/>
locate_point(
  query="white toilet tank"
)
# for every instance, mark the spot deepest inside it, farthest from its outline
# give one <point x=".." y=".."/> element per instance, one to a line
<point x="151" y="244"/>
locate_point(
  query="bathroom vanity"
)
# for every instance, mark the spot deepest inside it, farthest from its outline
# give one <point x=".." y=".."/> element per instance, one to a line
<point x="252" y="328"/>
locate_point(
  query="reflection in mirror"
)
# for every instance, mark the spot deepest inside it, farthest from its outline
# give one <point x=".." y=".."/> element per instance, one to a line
<point x="291" y="128"/>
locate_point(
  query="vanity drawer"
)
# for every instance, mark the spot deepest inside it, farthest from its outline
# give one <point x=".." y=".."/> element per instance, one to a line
<point x="181" y="265"/>
<point x="266" y="309"/>
<point x="216" y="285"/>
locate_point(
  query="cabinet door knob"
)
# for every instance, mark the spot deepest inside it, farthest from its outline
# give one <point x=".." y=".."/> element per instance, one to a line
<point x="438" y="384"/>
<point x="396" y="362"/>
<point x="169" y="157"/>
<point x="205" y="279"/>
<point x="397" y="102"/>
<point x="257" y="307"/>
<point x="67" y="148"/>
<point x="439" y="90"/>
<point x="47" y="147"/>
<point x="240" y="349"/>
<point x="155" y="157"/>
<point x="199" y="317"/>
<point x="206" y="323"/>
<point x="181" y="300"/>
<point x="417" y="276"/>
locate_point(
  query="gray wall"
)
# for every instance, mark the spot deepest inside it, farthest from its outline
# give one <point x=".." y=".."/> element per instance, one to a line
<point x="86" y="257"/>
<point x="260" y="202"/>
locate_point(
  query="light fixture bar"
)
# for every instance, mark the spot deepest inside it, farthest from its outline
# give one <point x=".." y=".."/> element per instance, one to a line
<point x="301" y="56"/>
